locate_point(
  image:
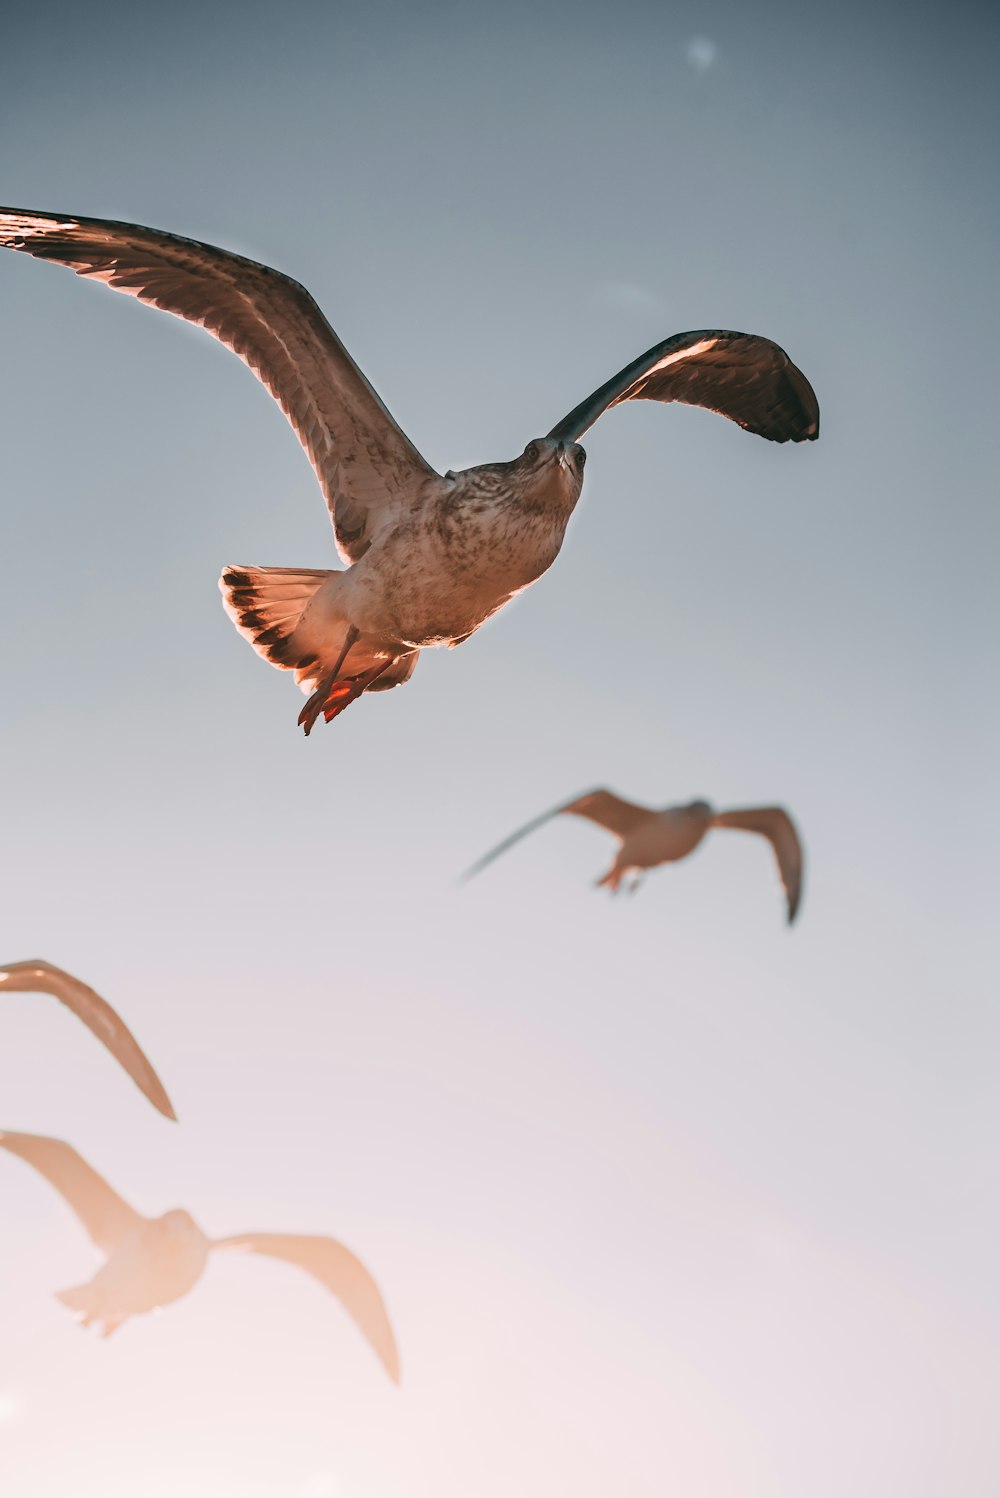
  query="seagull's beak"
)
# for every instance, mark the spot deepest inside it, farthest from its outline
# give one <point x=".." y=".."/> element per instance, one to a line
<point x="565" y="461"/>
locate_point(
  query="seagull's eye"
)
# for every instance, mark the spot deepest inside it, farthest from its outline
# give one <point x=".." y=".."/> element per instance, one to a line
<point x="531" y="451"/>
<point x="581" y="457"/>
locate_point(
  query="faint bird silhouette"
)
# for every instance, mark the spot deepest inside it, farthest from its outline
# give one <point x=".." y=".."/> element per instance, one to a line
<point x="432" y="557"/>
<point x="648" y="837"/>
<point x="153" y="1261"/>
<point x="38" y="976"/>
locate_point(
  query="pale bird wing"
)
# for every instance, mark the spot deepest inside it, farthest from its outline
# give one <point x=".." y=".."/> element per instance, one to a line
<point x="748" y="379"/>
<point x="341" y="1272"/>
<point x="774" y="823"/>
<point x="38" y="976"/>
<point x="369" y="470"/>
<point x="600" y="806"/>
<point x="107" y="1219"/>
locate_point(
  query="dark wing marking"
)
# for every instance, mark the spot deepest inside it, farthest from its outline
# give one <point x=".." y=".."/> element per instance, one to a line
<point x="341" y="1272"/>
<point x="368" y="469"/>
<point x="107" y="1218"/>
<point x="38" y="976"/>
<point x="749" y="379"/>
<point x="774" y="823"/>
<point x="600" y="806"/>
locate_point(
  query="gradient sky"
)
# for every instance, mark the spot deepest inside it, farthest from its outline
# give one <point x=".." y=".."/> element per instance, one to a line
<point x="663" y="1198"/>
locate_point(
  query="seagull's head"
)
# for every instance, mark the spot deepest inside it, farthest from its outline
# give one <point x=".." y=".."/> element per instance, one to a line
<point x="700" y="810"/>
<point x="174" y="1256"/>
<point x="550" y="471"/>
<point x="178" y="1225"/>
<point x="183" y="1246"/>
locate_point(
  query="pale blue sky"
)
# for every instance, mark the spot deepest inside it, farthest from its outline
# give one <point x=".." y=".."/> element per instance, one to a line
<point x="662" y="1197"/>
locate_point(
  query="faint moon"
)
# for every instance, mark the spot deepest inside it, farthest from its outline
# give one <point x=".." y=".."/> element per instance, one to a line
<point x="700" y="53"/>
<point x="8" y="1407"/>
<point x="625" y="296"/>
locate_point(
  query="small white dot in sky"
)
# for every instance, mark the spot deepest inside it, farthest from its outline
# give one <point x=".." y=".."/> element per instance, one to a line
<point x="700" y="52"/>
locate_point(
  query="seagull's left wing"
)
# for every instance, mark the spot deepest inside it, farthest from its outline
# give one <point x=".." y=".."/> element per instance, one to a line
<point x="600" y="806"/>
<point x="774" y="823"/>
<point x="38" y="976"/>
<point x="107" y="1219"/>
<point x="749" y="379"/>
<point x="368" y="468"/>
<point x="341" y="1272"/>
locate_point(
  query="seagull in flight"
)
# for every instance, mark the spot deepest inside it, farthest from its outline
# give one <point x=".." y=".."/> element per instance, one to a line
<point x="430" y="557"/>
<point x="152" y="1261"/>
<point x="648" y="837"/>
<point x="38" y="976"/>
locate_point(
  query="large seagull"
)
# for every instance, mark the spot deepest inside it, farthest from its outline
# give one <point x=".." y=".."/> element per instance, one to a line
<point x="430" y="557"/>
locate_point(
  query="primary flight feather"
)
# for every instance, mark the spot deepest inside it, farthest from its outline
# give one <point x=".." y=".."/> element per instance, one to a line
<point x="38" y="976"/>
<point x="431" y="557"/>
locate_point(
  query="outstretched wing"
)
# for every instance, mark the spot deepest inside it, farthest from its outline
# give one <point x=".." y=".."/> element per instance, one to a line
<point x="107" y="1219"/>
<point x="749" y="379"/>
<point x="600" y="806"/>
<point x="38" y="976"/>
<point x="368" y="469"/>
<point x="776" y="825"/>
<point x="610" y="811"/>
<point x="341" y="1272"/>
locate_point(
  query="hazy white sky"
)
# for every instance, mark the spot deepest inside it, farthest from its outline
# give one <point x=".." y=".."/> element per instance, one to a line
<point x="662" y="1197"/>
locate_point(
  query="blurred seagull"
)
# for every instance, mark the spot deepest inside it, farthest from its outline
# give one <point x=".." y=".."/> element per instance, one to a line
<point x="648" y="837"/>
<point x="153" y="1261"/>
<point x="430" y="557"/>
<point x="38" y="976"/>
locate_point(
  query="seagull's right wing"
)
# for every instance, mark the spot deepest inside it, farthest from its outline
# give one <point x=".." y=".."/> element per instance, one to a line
<point x="368" y="468"/>
<point x="774" y="823"/>
<point x="600" y="806"/>
<point x="38" y="976"/>
<point x="107" y="1218"/>
<point x="741" y="376"/>
<point x="341" y="1272"/>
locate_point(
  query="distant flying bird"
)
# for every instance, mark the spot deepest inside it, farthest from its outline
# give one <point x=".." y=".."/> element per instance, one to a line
<point x="38" y="976"/>
<point x="153" y="1261"/>
<point x="648" y="837"/>
<point x="431" y="557"/>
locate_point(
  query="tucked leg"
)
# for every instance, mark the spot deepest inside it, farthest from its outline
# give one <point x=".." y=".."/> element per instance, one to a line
<point x="315" y="704"/>
<point x="350" y="689"/>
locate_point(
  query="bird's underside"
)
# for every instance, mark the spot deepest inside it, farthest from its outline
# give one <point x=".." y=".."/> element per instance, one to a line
<point x="429" y="557"/>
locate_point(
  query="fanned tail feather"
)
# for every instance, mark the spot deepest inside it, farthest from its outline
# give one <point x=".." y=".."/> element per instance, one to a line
<point x="266" y="605"/>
